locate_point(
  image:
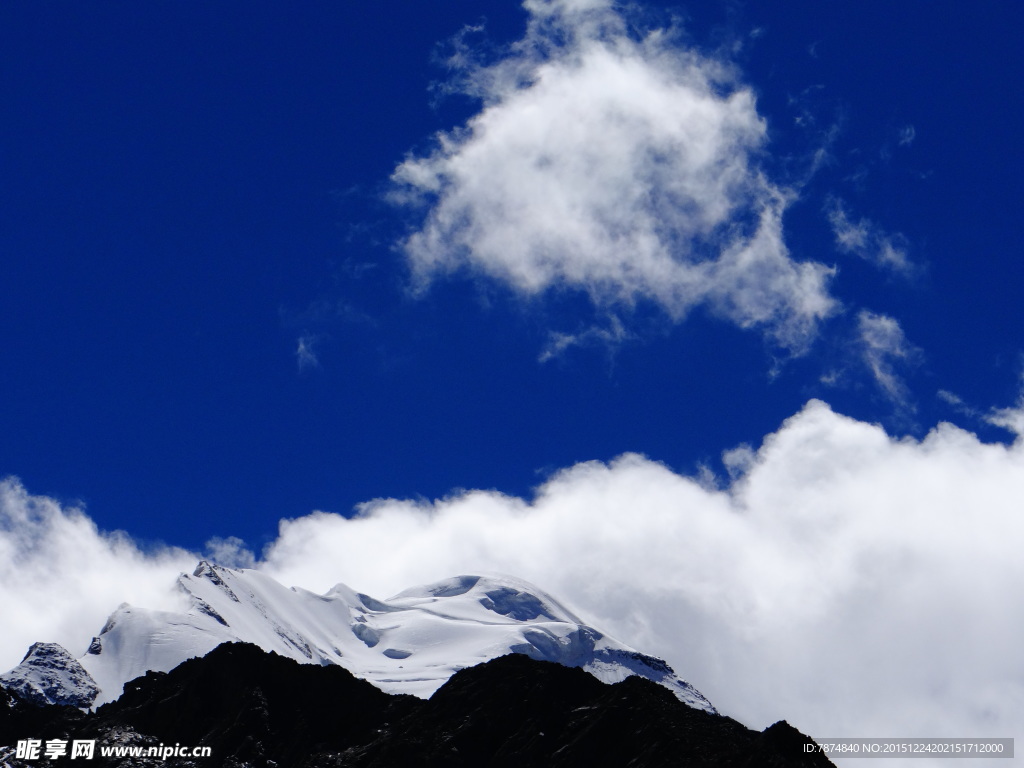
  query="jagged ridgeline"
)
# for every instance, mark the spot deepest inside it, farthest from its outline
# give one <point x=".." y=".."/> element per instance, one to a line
<point x="500" y="674"/>
<point x="259" y="710"/>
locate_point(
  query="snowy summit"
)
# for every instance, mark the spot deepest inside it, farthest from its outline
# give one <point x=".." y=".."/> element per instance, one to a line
<point x="411" y="643"/>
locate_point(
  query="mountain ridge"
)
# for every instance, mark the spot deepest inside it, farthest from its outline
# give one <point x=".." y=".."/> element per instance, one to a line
<point x="410" y="643"/>
<point x="255" y="709"/>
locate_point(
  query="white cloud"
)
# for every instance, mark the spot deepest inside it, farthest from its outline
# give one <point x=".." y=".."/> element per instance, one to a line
<point x="738" y="461"/>
<point x="864" y="239"/>
<point x="884" y="346"/>
<point x="853" y="583"/>
<point x="1010" y="419"/>
<point x="231" y="552"/>
<point x="850" y="237"/>
<point x="907" y="135"/>
<point x="60" y="577"/>
<point x="622" y="167"/>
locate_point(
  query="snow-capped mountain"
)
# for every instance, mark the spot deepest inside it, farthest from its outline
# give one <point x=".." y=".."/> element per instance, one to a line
<point x="411" y="643"/>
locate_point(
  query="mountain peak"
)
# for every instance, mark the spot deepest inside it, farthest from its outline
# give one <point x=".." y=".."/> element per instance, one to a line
<point x="50" y="675"/>
<point x="410" y="643"/>
<point x="204" y="568"/>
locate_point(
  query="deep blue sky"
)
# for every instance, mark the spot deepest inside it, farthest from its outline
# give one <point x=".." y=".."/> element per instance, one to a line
<point x="188" y="189"/>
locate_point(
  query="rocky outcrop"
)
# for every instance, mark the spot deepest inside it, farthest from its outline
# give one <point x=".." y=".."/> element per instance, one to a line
<point x="50" y="675"/>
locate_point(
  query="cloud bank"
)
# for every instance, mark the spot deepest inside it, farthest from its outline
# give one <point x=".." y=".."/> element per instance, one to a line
<point x="620" y="165"/>
<point x="60" y="577"/>
<point x="853" y="583"/>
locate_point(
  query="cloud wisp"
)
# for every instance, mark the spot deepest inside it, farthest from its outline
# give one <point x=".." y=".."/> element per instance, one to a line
<point x="884" y="348"/>
<point x="305" y="352"/>
<point x="1011" y="419"/>
<point x="622" y="166"/>
<point x="611" y="336"/>
<point x="853" y="583"/>
<point x="865" y="239"/>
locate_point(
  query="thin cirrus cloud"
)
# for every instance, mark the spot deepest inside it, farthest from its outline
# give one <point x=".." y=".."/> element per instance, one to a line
<point x="624" y="167"/>
<point x="885" y="349"/>
<point x="558" y="342"/>
<point x="865" y="239"/>
<point x="851" y="582"/>
<point x="305" y="352"/>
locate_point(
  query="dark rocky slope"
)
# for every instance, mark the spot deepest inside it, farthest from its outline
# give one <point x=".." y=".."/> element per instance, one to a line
<point x="261" y="710"/>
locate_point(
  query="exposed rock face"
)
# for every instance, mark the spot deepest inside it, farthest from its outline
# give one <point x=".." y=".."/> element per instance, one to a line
<point x="50" y="675"/>
<point x="260" y="710"/>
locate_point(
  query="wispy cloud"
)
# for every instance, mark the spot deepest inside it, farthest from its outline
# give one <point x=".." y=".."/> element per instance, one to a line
<point x="1010" y="419"/>
<point x="819" y="582"/>
<point x="610" y="337"/>
<point x="230" y="552"/>
<point x="956" y="403"/>
<point x="884" y="347"/>
<point x="619" y="165"/>
<point x="305" y="352"/>
<point x="866" y="240"/>
<point x="907" y="135"/>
